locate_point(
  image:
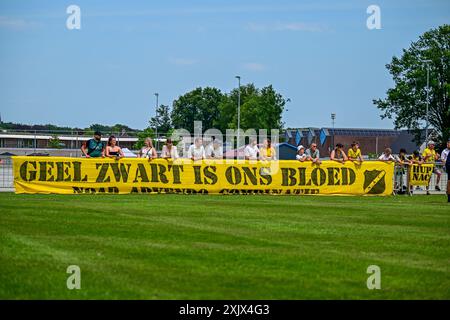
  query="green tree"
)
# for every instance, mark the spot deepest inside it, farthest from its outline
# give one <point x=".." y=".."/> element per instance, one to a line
<point x="55" y="143"/>
<point x="260" y="109"/>
<point x="162" y="120"/>
<point x="146" y="133"/>
<point x="406" y="101"/>
<point x="228" y="107"/>
<point x="200" y="104"/>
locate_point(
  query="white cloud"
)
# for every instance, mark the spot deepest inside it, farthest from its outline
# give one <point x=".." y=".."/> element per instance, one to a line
<point x="287" y="26"/>
<point x="182" y="61"/>
<point x="14" y="23"/>
<point x="253" y="66"/>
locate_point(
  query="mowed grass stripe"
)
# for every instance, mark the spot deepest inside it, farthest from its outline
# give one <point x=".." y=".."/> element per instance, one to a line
<point x="223" y="247"/>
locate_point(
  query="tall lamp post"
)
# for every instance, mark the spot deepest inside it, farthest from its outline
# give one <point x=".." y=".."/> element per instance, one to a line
<point x="333" y="118"/>
<point x="239" y="110"/>
<point x="427" y="62"/>
<point x="156" y="119"/>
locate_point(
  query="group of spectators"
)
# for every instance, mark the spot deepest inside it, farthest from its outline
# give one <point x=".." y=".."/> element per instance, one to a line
<point x="197" y="151"/>
<point x="96" y="148"/>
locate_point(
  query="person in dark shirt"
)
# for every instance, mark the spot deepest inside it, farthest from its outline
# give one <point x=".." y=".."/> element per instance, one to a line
<point x="94" y="148"/>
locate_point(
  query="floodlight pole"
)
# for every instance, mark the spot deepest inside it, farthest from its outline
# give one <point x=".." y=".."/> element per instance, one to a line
<point x="427" y="119"/>
<point x="239" y="110"/>
<point x="333" y="117"/>
<point x="156" y="119"/>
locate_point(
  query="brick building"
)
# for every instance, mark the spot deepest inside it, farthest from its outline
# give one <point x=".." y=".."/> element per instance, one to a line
<point x="371" y="140"/>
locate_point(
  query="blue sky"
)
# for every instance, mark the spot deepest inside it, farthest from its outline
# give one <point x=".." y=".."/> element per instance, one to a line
<point x="319" y="54"/>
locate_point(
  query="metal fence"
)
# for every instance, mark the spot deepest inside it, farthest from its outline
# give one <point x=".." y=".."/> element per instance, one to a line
<point x="6" y="175"/>
<point x="401" y="181"/>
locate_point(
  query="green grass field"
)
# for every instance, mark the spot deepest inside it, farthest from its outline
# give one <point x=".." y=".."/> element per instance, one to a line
<point x="224" y="247"/>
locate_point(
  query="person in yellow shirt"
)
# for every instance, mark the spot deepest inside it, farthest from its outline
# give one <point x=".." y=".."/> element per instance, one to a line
<point x="430" y="155"/>
<point x="354" y="153"/>
<point x="268" y="151"/>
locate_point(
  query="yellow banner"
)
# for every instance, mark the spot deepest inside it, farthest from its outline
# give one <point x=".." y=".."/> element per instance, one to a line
<point x="420" y="175"/>
<point x="140" y="176"/>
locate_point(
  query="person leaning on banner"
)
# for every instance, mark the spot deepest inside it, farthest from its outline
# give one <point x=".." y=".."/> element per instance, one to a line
<point x="301" y="155"/>
<point x="169" y="151"/>
<point x="267" y="151"/>
<point x="94" y="148"/>
<point x="251" y="151"/>
<point x="313" y="154"/>
<point x="148" y="151"/>
<point x="338" y="154"/>
<point x="416" y="158"/>
<point x="445" y="157"/>
<point x="354" y="153"/>
<point x="402" y="158"/>
<point x="387" y="156"/>
<point x="430" y="156"/>
<point x="112" y="149"/>
<point x="196" y="151"/>
<point x="214" y="150"/>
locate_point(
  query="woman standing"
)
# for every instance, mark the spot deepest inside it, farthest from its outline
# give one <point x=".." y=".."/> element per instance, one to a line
<point x="267" y="151"/>
<point x="148" y="151"/>
<point x="169" y="151"/>
<point x="112" y="149"/>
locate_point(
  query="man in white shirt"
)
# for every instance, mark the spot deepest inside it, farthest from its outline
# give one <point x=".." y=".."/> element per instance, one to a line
<point x="214" y="150"/>
<point x="196" y="151"/>
<point x="445" y="153"/>
<point x="387" y="155"/>
<point x="251" y="151"/>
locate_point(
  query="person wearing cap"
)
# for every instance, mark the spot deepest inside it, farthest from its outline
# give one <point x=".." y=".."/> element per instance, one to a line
<point x="94" y="148"/>
<point x="354" y="153"/>
<point x="301" y="155"/>
<point x="445" y="157"/>
<point x="214" y="150"/>
<point x="430" y="156"/>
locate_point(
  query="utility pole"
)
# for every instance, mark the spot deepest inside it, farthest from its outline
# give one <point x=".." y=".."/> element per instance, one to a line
<point x="239" y="110"/>
<point x="333" y="118"/>
<point x="156" y="120"/>
<point x="427" y="119"/>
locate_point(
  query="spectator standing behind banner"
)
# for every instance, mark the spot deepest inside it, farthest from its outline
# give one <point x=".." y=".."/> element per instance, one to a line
<point x="169" y="151"/>
<point x="400" y="172"/>
<point x="148" y="151"/>
<point x="430" y="156"/>
<point x="214" y="150"/>
<point x="338" y="154"/>
<point x="268" y="152"/>
<point x="402" y="158"/>
<point x="301" y="155"/>
<point x="112" y="149"/>
<point x="387" y="155"/>
<point x="445" y="157"/>
<point x="251" y="151"/>
<point x="196" y="151"/>
<point x="416" y="158"/>
<point x="94" y="148"/>
<point x="313" y="154"/>
<point x="354" y="153"/>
